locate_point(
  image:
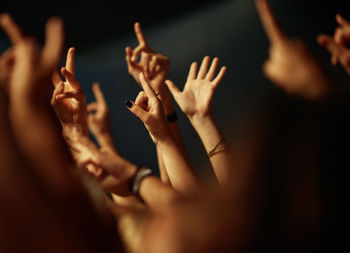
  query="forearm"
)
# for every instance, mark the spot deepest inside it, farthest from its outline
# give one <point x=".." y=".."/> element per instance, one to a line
<point x="74" y="131"/>
<point x="211" y="138"/>
<point x="155" y="193"/>
<point x="167" y="102"/>
<point x="162" y="170"/>
<point x="165" y="97"/>
<point x="116" y="177"/>
<point x="40" y="125"/>
<point x="181" y="173"/>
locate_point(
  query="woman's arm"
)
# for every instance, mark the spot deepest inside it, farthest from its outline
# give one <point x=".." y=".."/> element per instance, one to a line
<point x="155" y="67"/>
<point x="195" y="101"/>
<point x="181" y="173"/>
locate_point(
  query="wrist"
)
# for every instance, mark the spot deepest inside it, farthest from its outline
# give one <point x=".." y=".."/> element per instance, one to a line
<point x="201" y="119"/>
<point x="165" y="97"/>
<point x="130" y="169"/>
<point x="208" y="130"/>
<point x="166" y="139"/>
<point x="134" y="182"/>
<point x="73" y="131"/>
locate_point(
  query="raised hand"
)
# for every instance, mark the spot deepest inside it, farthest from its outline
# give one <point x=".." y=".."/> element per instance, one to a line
<point x="69" y="101"/>
<point x="337" y="45"/>
<point x="290" y="65"/>
<point x="148" y="108"/>
<point x="197" y="95"/>
<point x="33" y="68"/>
<point x="31" y="117"/>
<point x="154" y="65"/>
<point x="99" y="118"/>
<point x="7" y="58"/>
<point x="151" y="112"/>
<point x="195" y="101"/>
<point x="114" y="171"/>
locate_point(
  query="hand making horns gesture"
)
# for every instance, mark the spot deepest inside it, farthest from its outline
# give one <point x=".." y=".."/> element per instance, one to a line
<point x="337" y="45"/>
<point x="155" y="66"/>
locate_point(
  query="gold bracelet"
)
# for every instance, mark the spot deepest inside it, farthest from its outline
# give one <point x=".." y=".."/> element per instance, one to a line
<point x="213" y="151"/>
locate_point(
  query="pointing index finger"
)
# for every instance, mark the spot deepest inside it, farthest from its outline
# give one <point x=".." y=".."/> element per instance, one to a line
<point x="341" y="20"/>
<point x="139" y="34"/>
<point x="269" y="22"/>
<point x="10" y="28"/>
<point x="70" y="61"/>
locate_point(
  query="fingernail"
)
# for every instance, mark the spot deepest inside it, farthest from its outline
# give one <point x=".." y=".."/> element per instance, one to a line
<point x="128" y="103"/>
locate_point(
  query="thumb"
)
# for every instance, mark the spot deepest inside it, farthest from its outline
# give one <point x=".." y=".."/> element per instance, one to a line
<point x="173" y="88"/>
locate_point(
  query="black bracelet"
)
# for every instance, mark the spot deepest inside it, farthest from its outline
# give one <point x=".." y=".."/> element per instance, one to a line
<point x="135" y="181"/>
<point x="172" y="117"/>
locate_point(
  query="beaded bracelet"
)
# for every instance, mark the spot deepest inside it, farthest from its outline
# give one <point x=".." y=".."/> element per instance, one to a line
<point x="135" y="181"/>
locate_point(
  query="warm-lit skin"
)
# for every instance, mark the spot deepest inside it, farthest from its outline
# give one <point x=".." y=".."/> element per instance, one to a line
<point x="28" y="92"/>
<point x="195" y="101"/>
<point x="291" y="66"/>
<point x="179" y="168"/>
<point x="99" y="119"/>
<point x="337" y="45"/>
<point x="114" y="171"/>
<point x="155" y="67"/>
<point x="117" y="173"/>
<point x="69" y="101"/>
<point x="7" y="59"/>
<point x="54" y="196"/>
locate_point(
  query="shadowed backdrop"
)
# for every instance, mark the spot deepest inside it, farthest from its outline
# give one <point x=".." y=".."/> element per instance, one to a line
<point x="185" y="31"/>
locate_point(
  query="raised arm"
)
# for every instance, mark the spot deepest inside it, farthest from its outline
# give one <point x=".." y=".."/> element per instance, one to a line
<point x="75" y="221"/>
<point x="337" y="45"/>
<point x="31" y="120"/>
<point x="155" y="67"/>
<point x="118" y="176"/>
<point x="291" y="66"/>
<point x="99" y="119"/>
<point x="69" y="101"/>
<point x="195" y="101"/>
<point x="180" y="171"/>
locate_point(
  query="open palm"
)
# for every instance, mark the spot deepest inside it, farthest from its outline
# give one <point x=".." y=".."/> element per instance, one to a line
<point x="197" y="95"/>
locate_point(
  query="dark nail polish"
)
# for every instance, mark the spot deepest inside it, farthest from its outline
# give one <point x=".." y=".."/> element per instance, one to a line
<point x="128" y="103"/>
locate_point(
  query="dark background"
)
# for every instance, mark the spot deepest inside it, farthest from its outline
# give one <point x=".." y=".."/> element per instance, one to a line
<point x="185" y="31"/>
